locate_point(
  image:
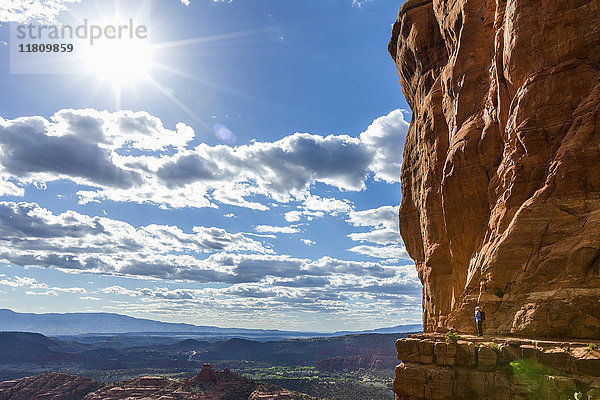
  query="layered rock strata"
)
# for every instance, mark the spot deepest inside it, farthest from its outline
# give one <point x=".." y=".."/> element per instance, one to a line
<point x="501" y="174"/>
<point x="495" y="369"/>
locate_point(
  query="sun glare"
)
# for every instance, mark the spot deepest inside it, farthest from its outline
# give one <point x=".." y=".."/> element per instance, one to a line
<point x="120" y="62"/>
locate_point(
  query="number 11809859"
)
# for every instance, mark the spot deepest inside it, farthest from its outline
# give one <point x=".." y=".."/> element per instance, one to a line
<point x="45" y="48"/>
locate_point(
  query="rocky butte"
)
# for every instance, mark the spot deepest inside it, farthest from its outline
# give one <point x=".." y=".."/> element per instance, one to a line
<point x="501" y="186"/>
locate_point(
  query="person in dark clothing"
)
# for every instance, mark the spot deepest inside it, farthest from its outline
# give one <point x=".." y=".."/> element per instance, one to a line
<point x="479" y="318"/>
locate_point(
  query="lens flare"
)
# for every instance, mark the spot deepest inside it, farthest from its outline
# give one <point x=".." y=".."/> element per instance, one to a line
<point x="224" y="134"/>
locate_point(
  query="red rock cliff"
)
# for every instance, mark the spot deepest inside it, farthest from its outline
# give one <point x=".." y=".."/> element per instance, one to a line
<point x="501" y="174"/>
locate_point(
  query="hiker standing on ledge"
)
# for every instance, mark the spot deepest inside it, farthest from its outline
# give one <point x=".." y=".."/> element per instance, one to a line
<point x="479" y="318"/>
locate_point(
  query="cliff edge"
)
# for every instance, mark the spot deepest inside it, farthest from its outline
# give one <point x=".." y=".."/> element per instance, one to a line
<point x="501" y="174"/>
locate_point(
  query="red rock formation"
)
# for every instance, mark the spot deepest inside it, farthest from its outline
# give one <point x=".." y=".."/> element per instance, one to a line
<point x="207" y="385"/>
<point x="51" y="386"/>
<point x="206" y="374"/>
<point x="501" y="173"/>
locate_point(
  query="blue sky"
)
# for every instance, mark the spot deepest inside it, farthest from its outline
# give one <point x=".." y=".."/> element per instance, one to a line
<point x="242" y="171"/>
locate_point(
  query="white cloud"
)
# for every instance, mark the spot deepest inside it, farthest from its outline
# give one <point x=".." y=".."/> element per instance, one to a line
<point x="281" y="170"/>
<point x="159" y="292"/>
<point x="327" y="205"/>
<point x="386" y="135"/>
<point x="70" y="290"/>
<point x="90" y="298"/>
<point x="120" y="290"/>
<point x="335" y="288"/>
<point x="360" y="3"/>
<point x="75" y="242"/>
<point x="382" y="217"/>
<point x="262" y="235"/>
<point x="169" y="294"/>
<point x="42" y="11"/>
<point x="276" y="229"/>
<point x="383" y="222"/>
<point x="393" y="253"/>
<point x="53" y="291"/>
<point x="339" y="295"/>
<point x="32" y="283"/>
<point x="293" y="216"/>
<point x="130" y="156"/>
<point x="328" y="286"/>
<point x="379" y="236"/>
<point x="316" y="207"/>
<point x="46" y="293"/>
<point x="35" y="236"/>
<point x="18" y="281"/>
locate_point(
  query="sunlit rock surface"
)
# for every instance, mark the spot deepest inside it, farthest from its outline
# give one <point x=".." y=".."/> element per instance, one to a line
<point x="501" y="174"/>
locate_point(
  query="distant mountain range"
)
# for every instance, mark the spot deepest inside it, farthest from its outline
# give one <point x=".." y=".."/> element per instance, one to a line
<point x="24" y="348"/>
<point x="112" y="358"/>
<point x="74" y="324"/>
<point x="394" y="329"/>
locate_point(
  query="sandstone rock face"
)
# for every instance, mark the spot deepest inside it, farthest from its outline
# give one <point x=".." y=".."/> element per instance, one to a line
<point x="476" y="368"/>
<point x="501" y="173"/>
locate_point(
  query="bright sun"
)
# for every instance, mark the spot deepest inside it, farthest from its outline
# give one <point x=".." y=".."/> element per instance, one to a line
<point x="120" y="62"/>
